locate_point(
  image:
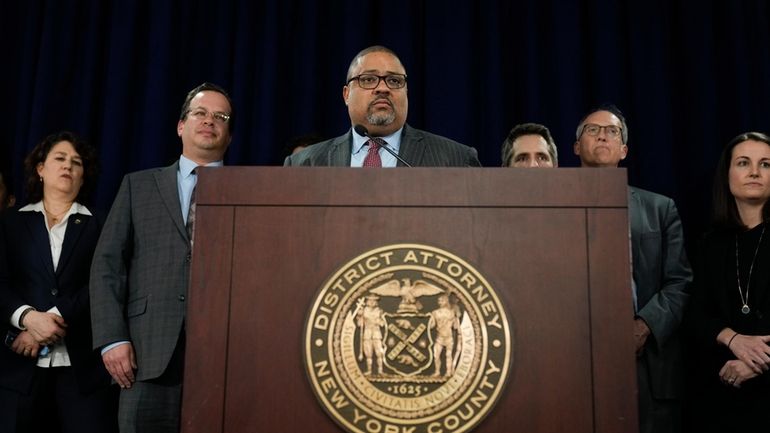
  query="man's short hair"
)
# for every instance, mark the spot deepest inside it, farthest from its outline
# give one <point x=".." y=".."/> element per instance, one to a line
<point x="211" y="88"/>
<point x="528" y="129"/>
<point x="303" y="141"/>
<point x="612" y="109"/>
<point x="365" y="51"/>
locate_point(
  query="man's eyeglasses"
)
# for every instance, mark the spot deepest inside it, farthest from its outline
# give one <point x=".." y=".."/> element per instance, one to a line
<point x="371" y="81"/>
<point x="593" y="130"/>
<point x="202" y="113"/>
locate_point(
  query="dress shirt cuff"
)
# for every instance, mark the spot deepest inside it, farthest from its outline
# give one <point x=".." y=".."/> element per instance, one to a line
<point x="17" y="315"/>
<point x="111" y="346"/>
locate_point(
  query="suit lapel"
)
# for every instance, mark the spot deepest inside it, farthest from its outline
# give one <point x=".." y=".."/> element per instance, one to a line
<point x="169" y="193"/>
<point x="635" y="221"/>
<point x="339" y="151"/>
<point x="412" y="147"/>
<point x="75" y="227"/>
<point x="35" y="222"/>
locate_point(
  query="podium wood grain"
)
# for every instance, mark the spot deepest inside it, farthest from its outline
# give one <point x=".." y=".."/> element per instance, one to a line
<point x="552" y="243"/>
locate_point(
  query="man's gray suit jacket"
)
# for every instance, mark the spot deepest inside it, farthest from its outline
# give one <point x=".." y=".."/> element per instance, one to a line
<point x="141" y="270"/>
<point x="662" y="275"/>
<point x="418" y="148"/>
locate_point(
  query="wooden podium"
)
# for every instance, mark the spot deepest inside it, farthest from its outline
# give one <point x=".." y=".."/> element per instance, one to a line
<point x="552" y="243"/>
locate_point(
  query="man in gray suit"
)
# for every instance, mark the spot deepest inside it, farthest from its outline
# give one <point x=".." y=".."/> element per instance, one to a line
<point x="375" y="94"/>
<point x="140" y="269"/>
<point x="661" y="275"/>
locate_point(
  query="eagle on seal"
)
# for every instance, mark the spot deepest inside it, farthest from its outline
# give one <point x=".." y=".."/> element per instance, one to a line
<point x="408" y="292"/>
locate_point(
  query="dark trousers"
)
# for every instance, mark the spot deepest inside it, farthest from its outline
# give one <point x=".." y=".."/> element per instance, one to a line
<point x="656" y="415"/>
<point x="55" y="404"/>
<point x="154" y="406"/>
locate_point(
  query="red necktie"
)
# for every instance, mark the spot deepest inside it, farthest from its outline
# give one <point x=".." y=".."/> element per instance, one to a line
<point x="373" y="156"/>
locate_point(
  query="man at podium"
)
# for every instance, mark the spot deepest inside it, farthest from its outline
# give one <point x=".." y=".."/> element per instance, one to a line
<point x="375" y="93"/>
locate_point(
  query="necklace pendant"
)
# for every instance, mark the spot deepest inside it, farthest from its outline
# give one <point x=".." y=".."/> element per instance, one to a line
<point x="745" y="309"/>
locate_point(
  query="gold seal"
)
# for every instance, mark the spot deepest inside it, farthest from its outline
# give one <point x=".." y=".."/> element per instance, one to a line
<point x="407" y="338"/>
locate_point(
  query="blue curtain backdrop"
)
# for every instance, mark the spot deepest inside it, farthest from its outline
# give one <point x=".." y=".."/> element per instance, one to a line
<point x="689" y="75"/>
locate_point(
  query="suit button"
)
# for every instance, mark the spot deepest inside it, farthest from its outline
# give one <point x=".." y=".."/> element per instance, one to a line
<point x="181" y="298"/>
<point x="54" y="291"/>
<point x="188" y="258"/>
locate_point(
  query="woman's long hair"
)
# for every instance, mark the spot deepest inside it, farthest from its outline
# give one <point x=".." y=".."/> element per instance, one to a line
<point x="725" y="211"/>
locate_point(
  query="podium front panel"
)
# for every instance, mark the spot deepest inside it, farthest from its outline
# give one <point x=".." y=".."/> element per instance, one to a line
<point x="561" y="271"/>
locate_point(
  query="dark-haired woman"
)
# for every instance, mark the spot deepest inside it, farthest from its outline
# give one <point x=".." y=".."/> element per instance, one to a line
<point x="7" y="199"/>
<point x="730" y="312"/>
<point x="50" y="378"/>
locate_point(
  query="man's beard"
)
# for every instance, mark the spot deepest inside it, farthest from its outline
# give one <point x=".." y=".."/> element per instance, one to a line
<point x="381" y="119"/>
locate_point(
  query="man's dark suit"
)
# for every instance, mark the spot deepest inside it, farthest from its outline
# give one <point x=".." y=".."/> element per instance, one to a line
<point x="139" y="280"/>
<point x="662" y="275"/>
<point x="141" y="270"/>
<point x="418" y="148"/>
<point x="27" y="277"/>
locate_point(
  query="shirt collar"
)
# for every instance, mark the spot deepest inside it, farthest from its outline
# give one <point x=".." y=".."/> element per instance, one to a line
<point x="75" y="208"/>
<point x="186" y="165"/>
<point x="393" y="140"/>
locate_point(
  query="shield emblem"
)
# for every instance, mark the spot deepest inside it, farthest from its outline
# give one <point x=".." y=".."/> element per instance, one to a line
<point x="408" y="343"/>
